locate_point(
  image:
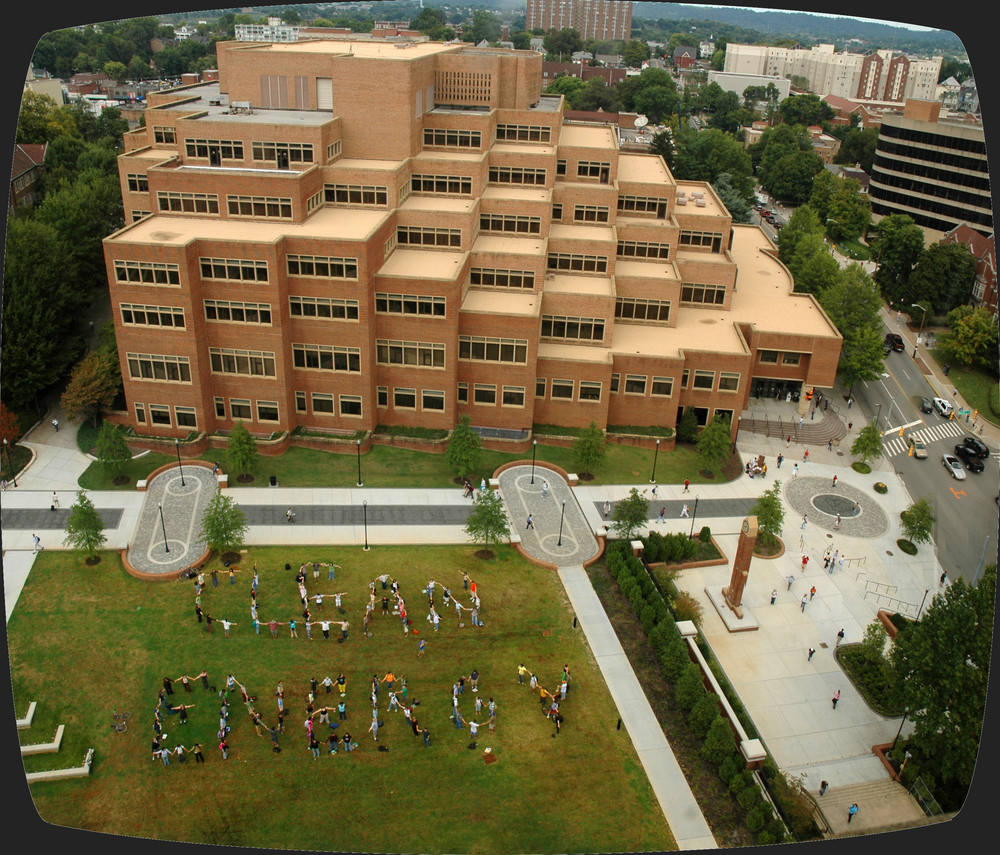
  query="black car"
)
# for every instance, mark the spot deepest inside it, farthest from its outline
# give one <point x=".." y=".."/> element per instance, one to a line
<point x="896" y="341"/>
<point x="977" y="447"/>
<point x="968" y="457"/>
<point x="926" y="406"/>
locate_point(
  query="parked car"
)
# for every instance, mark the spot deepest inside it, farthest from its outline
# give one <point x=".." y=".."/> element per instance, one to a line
<point x="942" y="406"/>
<point x="926" y="406"/>
<point x="954" y="466"/>
<point x="896" y="341"/>
<point x="969" y="458"/>
<point x="919" y="449"/>
<point x="977" y="447"/>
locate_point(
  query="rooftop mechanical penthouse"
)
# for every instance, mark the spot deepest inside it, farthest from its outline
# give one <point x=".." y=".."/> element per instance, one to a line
<point x="338" y="235"/>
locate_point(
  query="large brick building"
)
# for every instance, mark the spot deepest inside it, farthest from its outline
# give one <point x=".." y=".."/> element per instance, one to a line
<point x="342" y="235"/>
<point x="604" y="20"/>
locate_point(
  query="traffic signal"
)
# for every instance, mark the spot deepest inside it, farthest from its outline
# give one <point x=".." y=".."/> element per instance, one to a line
<point x="975" y="415"/>
<point x="901" y="433"/>
<point x="951" y="416"/>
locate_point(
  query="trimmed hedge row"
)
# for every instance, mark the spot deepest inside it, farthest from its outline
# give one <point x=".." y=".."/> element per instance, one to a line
<point x="702" y="707"/>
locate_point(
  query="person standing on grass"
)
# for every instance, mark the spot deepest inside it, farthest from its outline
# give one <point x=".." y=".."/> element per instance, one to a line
<point x="421" y="648"/>
<point x="224" y="748"/>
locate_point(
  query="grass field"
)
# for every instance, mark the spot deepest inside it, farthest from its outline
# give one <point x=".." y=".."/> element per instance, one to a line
<point x="86" y="640"/>
<point x="387" y="466"/>
<point x="974" y="385"/>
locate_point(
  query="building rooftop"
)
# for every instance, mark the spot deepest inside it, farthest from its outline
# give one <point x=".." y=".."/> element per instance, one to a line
<point x="424" y="264"/>
<point x="532" y="149"/>
<point x="502" y="303"/>
<point x="574" y="352"/>
<point x="207" y="100"/>
<point x="588" y="136"/>
<point x="605" y="234"/>
<point x="404" y="51"/>
<point x="366" y="163"/>
<point x="643" y="168"/>
<point x="499" y="245"/>
<point x="453" y="156"/>
<point x="441" y="204"/>
<point x="711" y="205"/>
<point x="331" y="223"/>
<point x="711" y="330"/>
<point x="652" y="269"/>
<point x="565" y="283"/>
<point x="522" y="194"/>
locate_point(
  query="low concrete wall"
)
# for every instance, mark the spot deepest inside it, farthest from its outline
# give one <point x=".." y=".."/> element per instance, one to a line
<point x="61" y="774"/>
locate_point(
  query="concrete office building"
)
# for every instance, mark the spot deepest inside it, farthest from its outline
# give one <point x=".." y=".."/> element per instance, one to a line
<point x="931" y="169"/>
<point x="341" y="235"/>
<point x="604" y="20"/>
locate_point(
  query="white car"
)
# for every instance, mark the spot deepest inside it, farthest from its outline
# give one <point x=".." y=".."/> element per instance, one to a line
<point x="954" y="466"/>
<point x="942" y="406"/>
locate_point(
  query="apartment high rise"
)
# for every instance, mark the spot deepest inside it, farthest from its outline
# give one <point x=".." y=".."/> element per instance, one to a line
<point x="337" y="235"/>
<point x="604" y="20"/>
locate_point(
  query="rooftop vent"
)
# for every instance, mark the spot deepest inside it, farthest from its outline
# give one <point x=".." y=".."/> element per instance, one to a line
<point x="700" y="203"/>
<point x="681" y="200"/>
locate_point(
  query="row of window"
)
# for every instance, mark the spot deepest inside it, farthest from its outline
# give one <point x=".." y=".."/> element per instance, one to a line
<point x="589" y="390"/>
<point x="510" y="223"/>
<point x="321" y="357"/>
<point x="517" y="175"/>
<point x="643" y="205"/>
<point x="643" y="249"/>
<point x="486" y="394"/>
<point x="137" y="182"/>
<point x="152" y="316"/>
<point x="237" y="312"/>
<point x="524" y="133"/>
<point x="410" y="304"/>
<point x="159" y="414"/>
<point x="147" y="272"/>
<point x="579" y="329"/>
<point x="260" y="206"/>
<point x="495" y="278"/>
<point x="703" y="295"/>
<point x="424" y="354"/>
<point x="356" y="194"/>
<point x="417" y="236"/>
<point x="770" y="357"/>
<point x="323" y="267"/>
<point x="284" y="151"/>
<point x="454" y="184"/>
<point x="452" y="138"/>
<point x="234" y="269"/>
<point x="249" y="363"/>
<point x="226" y="149"/>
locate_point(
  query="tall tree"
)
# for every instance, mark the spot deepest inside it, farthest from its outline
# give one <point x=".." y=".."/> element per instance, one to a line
<point x="898" y="243"/>
<point x="813" y="266"/>
<point x="918" y="521"/>
<point x="485" y="25"/>
<point x="635" y="53"/>
<point x="93" y="385"/>
<point x="803" y="222"/>
<point x="770" y="513"/>
<point x="736" y="203"/>
<point x="868" y="445"/>
<point x="562" y="43"/>
<point x="705" y="155"/>
<point x="223" y="525"/>
<point x="488" y="523"/>
<point x="972" y="338"/>
<point x="630" y="514"/>
<point x="464" y="453"/>
<point x="112" y="449"/>
<point x="589" y="448"/>
<point x="945" y="274"/>
<point x="84" y="527"/>
<point x="241" y="450"/>
<point x="714" y="442"/>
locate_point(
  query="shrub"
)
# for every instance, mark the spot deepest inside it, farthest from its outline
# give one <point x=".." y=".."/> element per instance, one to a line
<point x="705" y="535"/>
<point x="652" y="547"/>
<point x="881" y="488"/>
<point x="730" y="766"/>
<point x="755" y="819"/>
<point x="676" y="661"/>
<point x="906" y="546"/>
<point x="702" y="714"/>
<point x="687" y="427"/>
<point x="687" y="607"/>
<point x="636" y="599"/>
<point x="648" y="618"/>
<point x="689" y="687"/>
<point x="862" y="468"/>
<point x="765" y="838"/>
<point x="719" y="747"/>
<point x="776" y="828"/>
<point x="749" y="797"/>
<point x="739" y="782"/>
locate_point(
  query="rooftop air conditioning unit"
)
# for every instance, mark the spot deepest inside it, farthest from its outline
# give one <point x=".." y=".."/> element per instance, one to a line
<point x="681" y="200"/>
<point x="696" y="194"/>
<point x="700" y="203"/>
<point x="680" y="194"/>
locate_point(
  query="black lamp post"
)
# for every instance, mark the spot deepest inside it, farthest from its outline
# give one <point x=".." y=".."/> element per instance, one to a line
<point x="164" y="528"/>
<point x="359" y="463"/>
<point x="10" y="461"/>
<point x="905" y="714"/>
<point x="561" y="516"/>
<point x="177" y="446"/>
<point x="694" y="516"/>
<point x="652" y="478"/>
<point x="878" y="415"/>
<point x="534" y="444"/>
<point x="364" y="504"/>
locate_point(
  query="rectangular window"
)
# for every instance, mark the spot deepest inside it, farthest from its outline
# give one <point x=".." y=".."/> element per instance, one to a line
<point x="147" y="273"/>
<point x="703" y="295"/>
<point x="593" y="169"/>
<point x="635" y="384"/>
<point x="590" y="390"/>
<point x="220" y="408"/>
<point x="463" y="393"/>
<point x="560" y="167"/>
<point x="260" y="207"/>
<point x="540" y="387"/>
<point x="791" y="358"/>
<point x="686" y="378"/>
<point x="557" y="211"/>
<point x="169" y="202"/>
<point x="356" y="194"/>
<point x="323" y="403"/>
<point x="240" y="409"/>
<point x="333" y="150"/>
<point x="159" y="414"/>
<point x="233" y="269"/>
<point x="517" y="175"/>
<point x="483" y="349"/>
<point x="267" y="411"/>
<point x="456" y="185"/>
<point x="320" y="357"/>
<point x="324" y="308"/>
<point x="452" y="138"/>
<point x="513" y="396"/>
<point x="382" y="396"/>
<point x="417" y="236"/>
<point x="419" y="354"/>
<point x="140" y="414"/>
<point x="615" y="382"/>
<point x="591" y="213"/>
<point x="728" y="382"/>
<point x="152" y="316"/>
<point x="638" y="309"/>
<point x="186" y="417"/>
<point x="137" y="183"/>
<point x="300" y="402"/>
<point x="138" y="215"/>
<point x="769" y="356"/>
<point x="712" y="240"/>
<point x="164" y="135"/>
<point x="249" y="363"/>
<point x="214" y="150"/>
<point x="510" y="223"/>
<point x="350" y="405"/>
<point x="432" y="399"/>
<point x="390" y="244"/>
<point x="484" y="393"/>
<point x="662" y="387"/>
<point x="576" y="263"/>
<point x="643" y="249"/>
<point x="238" y="312"/>
<point x="146" y="366"/>
<point x="404" y="399"/>
<point x="575" y="329"/>
<point x="283" y="153"/>
<point x="322" y="266"/>
<point x="488" y="277"/>
<point x="562" y="389"/>
<point x="643" y="205"/>
<point x="410" y="304"/>
<point x="704" y="379"/>
<point x="523" y="133"/>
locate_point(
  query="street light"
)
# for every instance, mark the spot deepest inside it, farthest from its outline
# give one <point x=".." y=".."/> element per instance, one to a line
<point x="534" y="444"/>
<point x="652" y="478"/>
<point x="10" y="461"/>
<point x="906" y="712"/>
<point x="694" y="516"/>
<point x="923" y="318"/>
<point x="365" y="506"/>
<point x="164" y="528"/>
<point x="563" y="514"/>
<point x="878" y="415"/>
<point x="359" y="464"/>
<point x="177" y="446"/>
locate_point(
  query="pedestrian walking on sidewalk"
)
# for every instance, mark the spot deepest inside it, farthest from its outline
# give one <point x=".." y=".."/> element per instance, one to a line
<point x="836" y="525"/>
<point x="803" y="602"/>
<point x="55" y="424"/>
<point x="840" y="638"/>
<point x="805" y="561"/>
<point x="55" y="500"/>
<point x="857" y="509"/>
<point x="795" y="470"/>
<point x="687" y="485"/>
<point x="943" y="579"/>
<point x="812" y="650"/>
<point x="801" y="419"/>
<point x="791" y="581"/>
<point x="834" y="480"/>
<point x="788" y="441"/>
<point x="38" y="543"/>
<point x="607" y="508"/>
<point x="662" y="516"/>
<point x="851" y="811"/>
<point x="836" y="697"/>
<point x="823" y="786"/>
<point x="829" y="445"/>
<point x="530" y="523"/>
<point x="812" y="593"/>
<point x="805" y="456"/>
<point x="780" y="458"/>
<point x="774" y="595"/>
<point x="289" y="515"/>
<point x="684" y="511"/>
<point x="805" y="521"/>
<point x="545" y="489"/>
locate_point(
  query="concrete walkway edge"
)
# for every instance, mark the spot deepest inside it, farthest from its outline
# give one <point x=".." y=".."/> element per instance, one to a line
<point x="686" y="821"/>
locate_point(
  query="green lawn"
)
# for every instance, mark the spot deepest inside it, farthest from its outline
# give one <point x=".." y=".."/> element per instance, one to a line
<point x="974" y="385"/>
<point x="387" y="466"/>
<point x="86" y="640"/>
<point x="854" y="249"/>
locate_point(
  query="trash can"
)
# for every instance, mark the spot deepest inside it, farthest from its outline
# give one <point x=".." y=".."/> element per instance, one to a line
<point x="274" y="480"/>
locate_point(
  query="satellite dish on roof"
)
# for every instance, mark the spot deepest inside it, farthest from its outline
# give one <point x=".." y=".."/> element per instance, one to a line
<point x="641" y="121"/>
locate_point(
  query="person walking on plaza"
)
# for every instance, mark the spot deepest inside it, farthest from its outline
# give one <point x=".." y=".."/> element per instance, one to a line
<point x="774" y="595"/>
<point x="822" y="787"/>
<point x="834" y="480"/>
<point x="780" y="458"/>
<point x="812" y="650"/>
<point x="851" y="811"/>
<point x="795" y="470"/>
<point x="38" y="543"/>
<point x="812" y="593"/>
<point x="530" y="523"/>
<point x="662" y="516"/>
<point x="805" y="521"/>
<point x="289" y="515"/>
<point x="791" y="580"/>
<point x="55" y="424"/>
<point x="687" y="485"/>
<point x="55" y="500"/>
<point x="684" y="511"/>
<point x="803" y="602"/>
<point x="836" y="697"/>
<point x="840" y="638"/>
<point x="836" y="525"/>
<point x="545" y="489"/>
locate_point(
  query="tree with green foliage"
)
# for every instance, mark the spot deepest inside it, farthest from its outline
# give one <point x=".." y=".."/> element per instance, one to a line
<point x="241" y="450"/>
<point x="93" y="385"/>
<point x="770" y="513"/>
<point x="35" y="121"/>
<point x="852" y="302"/>
<point x="729" y="114"/>
<point x="223" y="525"/>
<point x="944" y="274"/>
<point x="84" y="527"/>
<point x="117" y="71"/>
<point x="857" y="146"/>
<point x="656" y="102"/>
<point x="972" y="338"/>
<point x="813" y="265"/>
<point x="715" y="441"/>
<point x="736" y="203"/>
<point x="942" y="663"/>
<point x="562" y="44"/>
<point x="597" y="95"/>
<point x="10" y="426"/>
<point x="806" y="109"/>
<point x="663" y="145"/>
<point x="868" y="445"/>
<point x="464" y="453"/>
<point x="898" y="243"/>
<point x="804" y="221"/>
<point x="849" y="212"/>
<point x="918" y="521"/>
<point x="488" y="523"/>
<point x="708" y="154"/>
<point x="112" y="449"/>
<point x="630" y="515"/>
<point x="590" y="449"/>
<point x="687" y="426"/>
<point x="570" y="87"/>
<point x="719" y="743"/>
<point x="790" y="177"/>
<point x="635" y="53"/>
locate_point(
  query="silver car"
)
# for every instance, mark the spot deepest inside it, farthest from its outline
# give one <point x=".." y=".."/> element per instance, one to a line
<point x="954" y="466"/>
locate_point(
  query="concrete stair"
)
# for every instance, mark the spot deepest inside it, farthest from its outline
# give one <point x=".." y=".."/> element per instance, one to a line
<point x="818" y="431"/>
<point x="882" y="805"/>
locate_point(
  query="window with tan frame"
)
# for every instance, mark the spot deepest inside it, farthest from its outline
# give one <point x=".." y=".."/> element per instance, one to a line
<point x="635" y="384"/>
<point x="729" y="381"/>
<point x="704" y="380"/>
<point x="590" y="390"/>
<point x="662" y="387"/>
